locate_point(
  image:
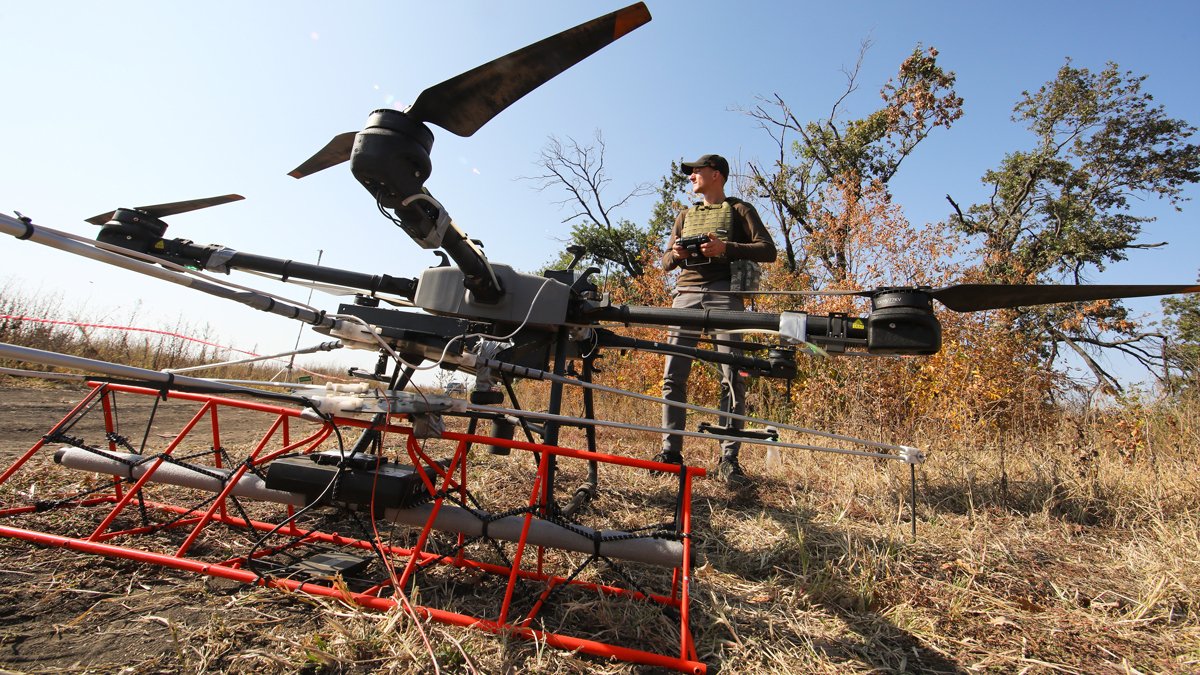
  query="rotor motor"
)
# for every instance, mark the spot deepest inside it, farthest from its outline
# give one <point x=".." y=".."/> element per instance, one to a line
<point x="902" y="322"/>
<point x="391" y="156"/>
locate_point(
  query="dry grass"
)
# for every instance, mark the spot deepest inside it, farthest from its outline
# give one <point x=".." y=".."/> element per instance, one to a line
<point x="1072" y="546"/>
<point x="1082" y="557"/>
<point x="83" y="333"/>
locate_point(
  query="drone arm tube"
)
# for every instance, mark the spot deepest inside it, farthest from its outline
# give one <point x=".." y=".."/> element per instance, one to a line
<point x="833" y="330"/>
<point x="478" y="275"/>
<point x="372" y="283"/>
<point x="425" y="220"/>
<point x="59" y="240"/>
<point x="695" y="319"/>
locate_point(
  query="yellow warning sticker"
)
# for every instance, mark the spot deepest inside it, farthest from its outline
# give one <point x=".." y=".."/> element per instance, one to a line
<point x="857" y="324"/>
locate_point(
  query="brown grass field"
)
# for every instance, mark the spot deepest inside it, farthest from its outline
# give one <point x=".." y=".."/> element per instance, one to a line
<point x="1068" y="545"/>
<point x="1073" y="551"/>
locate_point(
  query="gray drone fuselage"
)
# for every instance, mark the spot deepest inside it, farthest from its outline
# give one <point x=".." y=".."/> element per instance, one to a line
<point x="529" y="299"/>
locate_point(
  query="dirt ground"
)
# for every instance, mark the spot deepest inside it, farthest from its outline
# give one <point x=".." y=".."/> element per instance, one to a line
<point x="65" y="611"/>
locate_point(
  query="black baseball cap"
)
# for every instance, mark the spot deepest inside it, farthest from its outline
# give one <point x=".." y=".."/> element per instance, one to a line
<point x="715" y="161"/>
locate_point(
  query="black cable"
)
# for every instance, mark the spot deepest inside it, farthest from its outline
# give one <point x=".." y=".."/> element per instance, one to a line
<point x="330" y="487"/>
<point x="93" y="397"/>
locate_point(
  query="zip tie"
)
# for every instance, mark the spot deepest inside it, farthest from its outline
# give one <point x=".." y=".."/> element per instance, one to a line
<point x="166" y="388"/>
<point x="28" y="223"/>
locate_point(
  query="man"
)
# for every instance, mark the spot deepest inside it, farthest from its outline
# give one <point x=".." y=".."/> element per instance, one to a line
<point x="733" y="231"/>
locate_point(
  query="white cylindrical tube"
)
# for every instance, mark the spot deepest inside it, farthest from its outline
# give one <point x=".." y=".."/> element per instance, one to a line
<point x="128" y="465"/>
<point x="450" y="518"/>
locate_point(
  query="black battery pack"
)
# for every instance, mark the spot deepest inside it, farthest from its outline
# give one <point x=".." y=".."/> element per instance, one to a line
<point x="358" y="483"/>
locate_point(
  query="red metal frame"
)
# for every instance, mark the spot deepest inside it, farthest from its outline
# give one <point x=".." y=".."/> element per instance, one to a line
<point x="276" y="442"/>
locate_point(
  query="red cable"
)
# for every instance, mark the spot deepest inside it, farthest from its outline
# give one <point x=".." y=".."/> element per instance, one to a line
<point x="59" y="322"/>
<point x="124" y="328"/>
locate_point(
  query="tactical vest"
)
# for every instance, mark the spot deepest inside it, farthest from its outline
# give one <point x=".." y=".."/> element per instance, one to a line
<point x="702" y="219"/>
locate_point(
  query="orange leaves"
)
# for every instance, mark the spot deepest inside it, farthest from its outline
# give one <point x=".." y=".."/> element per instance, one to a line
<point x="867" y="242"/>
<point x="922" y="95"/>
<point x="986" y="379"/>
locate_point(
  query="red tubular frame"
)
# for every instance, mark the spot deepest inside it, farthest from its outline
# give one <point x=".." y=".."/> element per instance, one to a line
<point x="450" y="480"/>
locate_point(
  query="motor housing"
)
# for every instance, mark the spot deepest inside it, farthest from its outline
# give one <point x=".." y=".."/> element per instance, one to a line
<point x="902" y="322"/>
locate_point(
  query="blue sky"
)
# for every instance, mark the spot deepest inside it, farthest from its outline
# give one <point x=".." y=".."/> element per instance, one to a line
<point x="126" y="103"/>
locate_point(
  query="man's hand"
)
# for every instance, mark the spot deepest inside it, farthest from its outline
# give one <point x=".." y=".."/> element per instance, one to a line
<point x="713" y="248"/>
<point x="680" y="252"/>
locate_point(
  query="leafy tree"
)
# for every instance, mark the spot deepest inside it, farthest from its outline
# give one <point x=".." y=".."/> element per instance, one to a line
<point x="672" y="196"/>
<point x="814" y="155"/>
<point x="1063" y="207"/>
<point x="1181" y="350"/>
<point x="578" y="171"/>
<point x="984" y="378"/>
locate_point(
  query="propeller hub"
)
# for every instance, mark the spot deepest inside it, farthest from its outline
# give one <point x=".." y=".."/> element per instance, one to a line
<point x="888" y="298"/>
<point x="390" y="156"/>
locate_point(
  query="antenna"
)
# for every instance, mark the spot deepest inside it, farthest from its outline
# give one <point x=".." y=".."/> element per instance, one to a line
<point x="300" y="332"/>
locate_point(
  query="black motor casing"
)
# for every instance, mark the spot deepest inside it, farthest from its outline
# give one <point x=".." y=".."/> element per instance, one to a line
<point x="902" y="322"/>
<point x="390" y="156"/>
<point x="132" y="229"/>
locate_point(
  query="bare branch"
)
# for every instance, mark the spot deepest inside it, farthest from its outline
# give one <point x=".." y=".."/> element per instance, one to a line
<point x="579" y="171"/>
<point x="961" y="219"/>
<point x="1102" y="376"/>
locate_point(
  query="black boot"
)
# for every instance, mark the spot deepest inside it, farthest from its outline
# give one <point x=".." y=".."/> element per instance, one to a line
<point x="731" y="472"/>
<point x="668" y="457"/>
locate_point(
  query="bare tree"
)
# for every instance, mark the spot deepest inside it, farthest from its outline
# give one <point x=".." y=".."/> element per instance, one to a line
<point x="578" y="173"/>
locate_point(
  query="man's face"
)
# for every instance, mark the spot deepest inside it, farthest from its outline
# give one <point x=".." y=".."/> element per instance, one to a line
<point x="703" y="177"/>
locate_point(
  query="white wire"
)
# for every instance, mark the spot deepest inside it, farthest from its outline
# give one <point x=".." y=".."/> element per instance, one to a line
<point x="529" y="313"/>
<point x="445" y="350"/>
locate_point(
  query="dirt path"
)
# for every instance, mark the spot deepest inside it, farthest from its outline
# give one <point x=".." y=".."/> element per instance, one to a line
<point x="63" y="611"/>
<point x="25" y="414"/>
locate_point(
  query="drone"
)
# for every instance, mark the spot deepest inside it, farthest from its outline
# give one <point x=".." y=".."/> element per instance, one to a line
<point x="476" y="316"/>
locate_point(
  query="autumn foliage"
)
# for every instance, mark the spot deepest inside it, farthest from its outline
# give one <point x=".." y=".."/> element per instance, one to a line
<point x="985" y="378"/>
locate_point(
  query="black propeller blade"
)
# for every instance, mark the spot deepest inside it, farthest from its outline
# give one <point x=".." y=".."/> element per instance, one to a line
<point x="170" y="209"/>
<point x="466" y="102"/>
<point x="335" y="152"/>
<point x="861" y="294"/>
<point x="978" y="297"/>
<point x="463" y="104"/>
